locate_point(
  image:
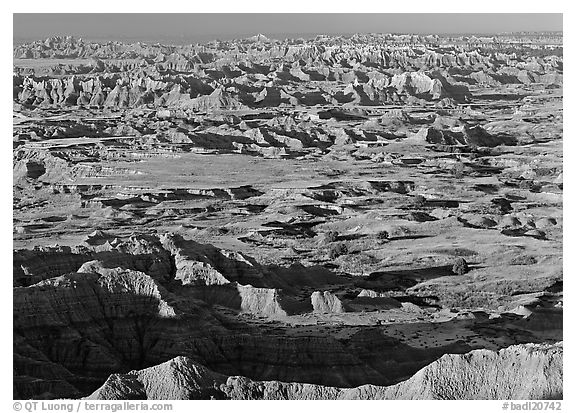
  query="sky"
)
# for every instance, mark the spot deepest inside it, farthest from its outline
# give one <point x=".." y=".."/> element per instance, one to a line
<point x="200" y="27"/>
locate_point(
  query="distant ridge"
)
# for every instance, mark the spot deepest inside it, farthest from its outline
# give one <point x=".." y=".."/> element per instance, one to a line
<point x="259" y="38"/>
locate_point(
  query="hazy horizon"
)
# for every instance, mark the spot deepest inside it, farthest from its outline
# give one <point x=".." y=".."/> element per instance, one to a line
<point x="198" y="27"/>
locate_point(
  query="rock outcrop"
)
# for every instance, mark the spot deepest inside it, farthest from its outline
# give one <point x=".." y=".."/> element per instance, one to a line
<point x="326" y="302"/>
<point x="376" y="70"/>
<point x="518" y="372"/>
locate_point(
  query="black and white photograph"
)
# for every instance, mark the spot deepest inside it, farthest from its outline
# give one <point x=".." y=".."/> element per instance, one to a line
<point x="287" y="206"/>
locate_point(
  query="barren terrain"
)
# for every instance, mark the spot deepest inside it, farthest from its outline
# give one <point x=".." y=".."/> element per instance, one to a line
<point x="374" y="216"/>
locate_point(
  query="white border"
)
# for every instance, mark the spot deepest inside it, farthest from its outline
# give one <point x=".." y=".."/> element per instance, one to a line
<point x="301" y="6"/>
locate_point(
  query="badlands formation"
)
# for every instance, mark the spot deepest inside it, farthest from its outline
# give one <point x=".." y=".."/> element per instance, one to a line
<point x="362" y="217"/>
